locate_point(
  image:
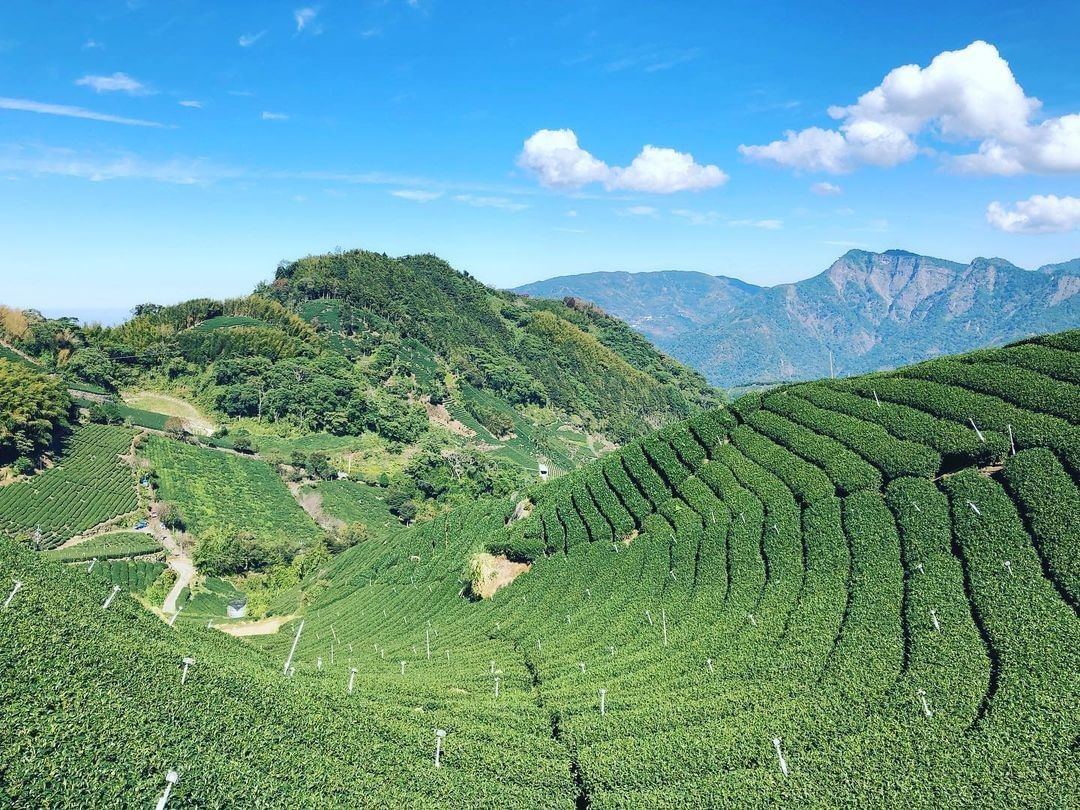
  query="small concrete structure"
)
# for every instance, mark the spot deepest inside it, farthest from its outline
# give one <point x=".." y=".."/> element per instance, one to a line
<point x="543" y="472"/>
<point x="236" y="609"/>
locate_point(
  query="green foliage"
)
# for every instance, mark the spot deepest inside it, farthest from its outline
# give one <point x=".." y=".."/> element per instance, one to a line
<point x="109" y="546"/>
<point x="89" y="485"/>
<point x="34" y="411"/>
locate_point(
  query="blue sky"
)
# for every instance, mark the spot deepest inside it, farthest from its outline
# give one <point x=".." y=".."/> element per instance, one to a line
<point x="155" y="151"/>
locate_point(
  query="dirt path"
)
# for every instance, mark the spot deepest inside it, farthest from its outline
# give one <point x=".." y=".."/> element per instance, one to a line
<point x="178" y="560"/>
<point x="311" y="502"/>
<point x="263" y="627"/>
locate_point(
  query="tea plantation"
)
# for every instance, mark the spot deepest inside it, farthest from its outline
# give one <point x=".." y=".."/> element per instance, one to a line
<point x="848" y="593"/>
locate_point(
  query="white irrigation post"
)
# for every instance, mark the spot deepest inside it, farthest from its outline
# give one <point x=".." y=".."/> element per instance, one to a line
<point x="663" y="615"/>
<point x="917" y="507"/>
<point x="582" y="665"/>
<point x="603" y="707"/>
<point x="934" y="618"/>
<point x="753" y="621"/>
<point x="920" y="567"/>
<point x="209" y="624"/>
<point x="974" y="508"/>
<point x="448" y="656"/>
<point x="672" y="572"/>
<point x="496" y="687"/>
<point x="878" y="401"/>
<point x="589" y="592"/>
<point x="171" y="778"/>
<point x="491" y="668"/>
<point x="93" y="562"/>
<point x="331" y="653"/>
<point x="172" y="620"/>
<point x="708" y="663"/>
<point x="439" y="734"/>
<point x="292" y="652"/>
<point x="427" y="643"/>
<point x="352" y="678"/>
<point x="925" y="706"/>
<point x="1008" y="567"/>
<point x="318" y="663"/>
<point x="648" y="616"/>
<point x="568" y="618"/>
<point x="1012" y="444"/>
<point x="977" y="431"/>
<point x="15" y="590"/>
<point x="403" y="668"/>
<point x="332" y="630"/>
<point x="538" y="645"/>
<point x="110" y="597"/>
<point x="780" y="755"/>
<point x="188" y="661"/>
<point x="612" y="651"/>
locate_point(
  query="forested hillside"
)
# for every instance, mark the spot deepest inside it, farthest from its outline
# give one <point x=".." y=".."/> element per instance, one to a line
<point x="853" y="592"/>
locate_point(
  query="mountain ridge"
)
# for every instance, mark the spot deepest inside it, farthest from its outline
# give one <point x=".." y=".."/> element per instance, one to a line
<point x="870" y="311"/>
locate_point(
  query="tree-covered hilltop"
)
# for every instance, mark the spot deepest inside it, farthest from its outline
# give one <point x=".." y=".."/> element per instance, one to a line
<point x="525" y="352"/>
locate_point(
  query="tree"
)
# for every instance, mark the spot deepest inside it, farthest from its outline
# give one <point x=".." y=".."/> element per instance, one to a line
<point x="174" y="427"/>
<point x="242" y="444"/>
<point x="34" y="410"/>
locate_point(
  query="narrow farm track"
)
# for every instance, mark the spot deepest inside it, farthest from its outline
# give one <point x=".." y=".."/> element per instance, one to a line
<point x="837" y="594"/>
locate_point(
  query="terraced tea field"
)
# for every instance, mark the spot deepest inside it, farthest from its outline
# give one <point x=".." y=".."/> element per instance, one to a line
<point x="848" y="593"/>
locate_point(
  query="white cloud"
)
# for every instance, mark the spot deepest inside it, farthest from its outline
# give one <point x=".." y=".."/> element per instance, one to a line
<point x="557" y="160"/>
<point x="696" y="217"/>
<point x="197" y="105"/>
<point x="501" y="203"/>
<point x="555" y="157"/>
<point x="1037" y="214"/>
<point x="963" y="96"/>
<point x="27" y="105"/>
<point x="92" y="44"/>
<point x="247" y="40"/>
<point x="765" y="224"/>
<point x="664" y="171"/>
<point x="304" y="18"/>
<point x="113" y="166"/>
<point x="274" y="116"/>
<point x="638" y="211"/>
<point x="116" y="83"/>
<point x="825" y="189"/>
<point x="417" y="195"/>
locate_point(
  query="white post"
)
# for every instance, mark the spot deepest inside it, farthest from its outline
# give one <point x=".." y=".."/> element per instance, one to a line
<point x="292" y="652"/>
<point x="209" y="624"/>
<point x="1012" y="444"/>
<point x="934" y="618"/>
<point x="917" y="508"/>
<point x="110" y="597"/>
<point x="172" y="620"/>
<point x="492" y="668"/>
<point x="496" y="687"/>
<point x="672" y="572"/>
<point x="925" y="706"/>
<point x="331" y="653"/>
<point x="977" y="431"/>
<point x="439" y="734"/>
<point x="582" y="665"/>
<point x="352" y="679"/>
<point x="318" y="663"/>
<point x="1008" y="567"/>
<point x="427" y="643"/>
<point x="15" y="590"/>
<point x="603" y="707"/>
<point x="663" y="615"/>
<point x="612" y="651"/>
<point x="780" y="755"/>
<point x="188" y="661"/>
<point x="171" y="778"/>
<point x="974" y="508"/>
<point x="708" y="663"/>
<point x="448" y="656"/>
<point x="402" y="667"/>
<point x="648" y="616"/>
<point x="332" y="630"/>
<point x="93" y="562"/>
<point x="920" y="567"/>
<point x="878" y="401"/>
<point x="568" y="618"/>
<point x="589" y="592"/>
<point x="753" y="621"/>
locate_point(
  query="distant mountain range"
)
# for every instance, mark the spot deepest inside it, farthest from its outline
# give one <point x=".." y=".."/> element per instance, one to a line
<point x="869" y="311"/>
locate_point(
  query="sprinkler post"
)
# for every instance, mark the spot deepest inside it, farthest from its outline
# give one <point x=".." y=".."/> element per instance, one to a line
<point x="15" y="590"/>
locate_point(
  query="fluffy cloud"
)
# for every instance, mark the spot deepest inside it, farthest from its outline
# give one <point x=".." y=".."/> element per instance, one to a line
<point x="963" y="96"/>
<point x="197" y="105"/>
<point x="555" y="157"/>
<point x="116" y="83"/>
<point x="417" y="195"/>
<point x="825" y="189"/>
<point x="1037" y="214"/>
<point x="274" y="116"/>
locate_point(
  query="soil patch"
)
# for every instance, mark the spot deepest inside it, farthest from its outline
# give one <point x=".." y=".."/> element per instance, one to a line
<point x="263" y="627"/>
<point x="493" y="572"/>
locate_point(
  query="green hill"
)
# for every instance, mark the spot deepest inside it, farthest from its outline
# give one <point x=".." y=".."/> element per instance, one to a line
<point x="857" y="592"/>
